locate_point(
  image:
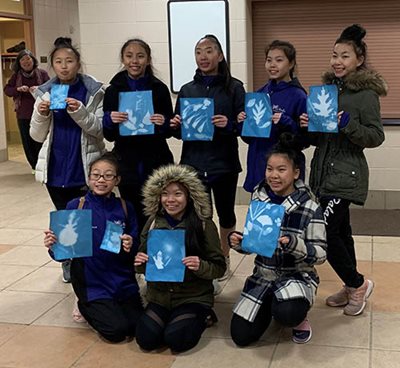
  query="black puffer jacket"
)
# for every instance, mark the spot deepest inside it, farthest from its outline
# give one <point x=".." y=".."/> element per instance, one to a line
<point x="138" y="155"/>
<point x="219" y="156"/>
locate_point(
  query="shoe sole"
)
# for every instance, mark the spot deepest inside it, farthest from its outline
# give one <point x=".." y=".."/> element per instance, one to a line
<point x="302" y="341"/>
<point x="336" y="304"/>
<point x="370" y="289"/>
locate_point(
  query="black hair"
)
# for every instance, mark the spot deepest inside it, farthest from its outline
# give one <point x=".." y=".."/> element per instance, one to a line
<point x="64" y="43"/>
<point x="108" y="157"/>
<point x="289" y="145"/>
<point x="354" y="35"/>
<point x="17" y="66"/>
<point x="288" y="49"/>
<point x="223" y="68"/>
<point x="149" y="68"/>
<point x="194" y="236"/>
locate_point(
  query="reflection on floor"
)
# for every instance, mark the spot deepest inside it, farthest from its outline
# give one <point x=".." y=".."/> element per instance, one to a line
<point x="36" y="329"/>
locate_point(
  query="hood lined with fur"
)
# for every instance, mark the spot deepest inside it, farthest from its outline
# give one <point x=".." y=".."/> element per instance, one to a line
<point x="360" y="80"/>
<point x="185" y="176"/>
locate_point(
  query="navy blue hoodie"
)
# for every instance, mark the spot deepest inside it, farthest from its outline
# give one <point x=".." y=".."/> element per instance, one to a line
<point x="290" y="99"/>
<point x="106" y="275"/>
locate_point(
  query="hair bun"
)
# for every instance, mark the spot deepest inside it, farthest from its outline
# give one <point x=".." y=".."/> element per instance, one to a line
<point x="63" y="41"/>
<point x="289" y="141"/>
<point x="354" y="32"/>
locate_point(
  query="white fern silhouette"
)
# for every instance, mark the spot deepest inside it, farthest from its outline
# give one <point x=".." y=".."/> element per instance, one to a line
<point x="324" y="106"/>
<point x="259" y="111"/>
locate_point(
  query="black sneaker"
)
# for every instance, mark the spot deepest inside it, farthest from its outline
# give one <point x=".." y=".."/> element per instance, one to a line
<point x="66" y="268"/>
<point x="17" y="48"/>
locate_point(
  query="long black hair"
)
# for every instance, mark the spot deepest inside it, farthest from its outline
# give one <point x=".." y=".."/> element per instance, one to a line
<point x="223" y="68"/>
<point x="149" y="68"/>
<point x="289" y="51"/>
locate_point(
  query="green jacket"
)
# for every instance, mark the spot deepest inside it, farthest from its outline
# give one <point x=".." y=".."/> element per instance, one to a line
<point x="197" y="285"/>
<point x="339" y="167"/>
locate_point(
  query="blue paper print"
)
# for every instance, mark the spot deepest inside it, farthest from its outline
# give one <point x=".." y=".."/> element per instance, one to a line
<point x="166" y="249"/>
<point x="139" y="106"/>
<point x="262" y="228"/>
<point x="58" y="94"/>
<point x="258" y="115"/>
<point x="196" y="116"/>
<point x="111" y="239"/>
<point x="73" y="229"/>
<point x="322" y="109"/>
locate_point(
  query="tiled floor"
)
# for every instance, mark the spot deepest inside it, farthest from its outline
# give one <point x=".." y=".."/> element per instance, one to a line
<point x="35" y="306"/>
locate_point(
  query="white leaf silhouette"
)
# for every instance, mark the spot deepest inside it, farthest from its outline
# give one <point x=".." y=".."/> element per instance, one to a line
<point x="324" y="106"/>
<point x="259" y="111"/>
<point x="251" y="102"/>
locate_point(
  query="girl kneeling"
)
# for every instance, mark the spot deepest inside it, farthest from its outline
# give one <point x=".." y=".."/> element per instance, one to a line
<point x="284" y="286"/>
<point x="178" y="313"/>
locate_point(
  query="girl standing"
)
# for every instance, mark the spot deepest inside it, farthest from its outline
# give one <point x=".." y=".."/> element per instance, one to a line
<point x="178" y="313"/>
<point x="216" y="161"/>
<point x="288" y="99"/>
<point x="339" y="170"/>
<point x="71" y="137"/>
<point x="21" y="87"/>
<point x="284" y="286"/>
<point x="137" y="155"/>
<point x="105" y="284"/>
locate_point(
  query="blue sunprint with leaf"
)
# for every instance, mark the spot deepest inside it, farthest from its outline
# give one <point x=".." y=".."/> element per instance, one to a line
<point x="166" y="249"/>
<point x="196" y="116"/>
<point x="73" y="230"/>
<point x="58" y="94"/>
<point x="322" y="109"/>
<point x="262" y="228"/>
<point x="258" y="115"/>
<point x="112" y="237"/>
<point x="139" y="106"/>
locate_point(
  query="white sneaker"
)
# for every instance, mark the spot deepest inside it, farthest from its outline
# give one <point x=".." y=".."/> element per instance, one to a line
<point x="217" y="287"/>
<point x="227" y="271"/>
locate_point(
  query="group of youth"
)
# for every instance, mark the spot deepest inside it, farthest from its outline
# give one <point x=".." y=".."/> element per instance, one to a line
<point x="161" y="195"/>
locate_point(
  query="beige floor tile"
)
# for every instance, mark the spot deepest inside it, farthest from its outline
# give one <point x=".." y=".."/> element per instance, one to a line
<point x="4" y="248"/>
<point x="42" y="347"/>
<point x="387" y="252"/>
<point x="385" y="359"/>
<point x="35" y="241"/>
<point x="235" y="259"/>
<point x="61" y="315"/>
<point x="386" y="276"/>
<point x="25" y="255"/>
<point x="241" y="212"/>
<point x="386" y="240"/>
<point x="332" y="328"/>
<point x="246" y="266"/>
<point x="104" y="355"/>
<point x="8" y="330"/>
<point x="222" y="353"/>
<point x="325" y="289"/>
<point x="294" y="355"/>
<point x="327" y="273"/>
<point x="385" y="331"/>
<point x="9" y="274"/>
<point x="25" y="307"/>
<point x="362" y="238"/>
<point x="45" y="279"/>
<point x="231" y="290"/>
<point x="222" y="328"/>
<point x="363" y="251"/>
<point x="17" y="236"/>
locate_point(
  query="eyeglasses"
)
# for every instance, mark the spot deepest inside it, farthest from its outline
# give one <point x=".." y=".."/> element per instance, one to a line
<point x="106" y="177"/>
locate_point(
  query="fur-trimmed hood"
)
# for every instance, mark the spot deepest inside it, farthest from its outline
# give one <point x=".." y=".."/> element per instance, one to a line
<point x="182" y="174"/>
<point x="359" y="80"/>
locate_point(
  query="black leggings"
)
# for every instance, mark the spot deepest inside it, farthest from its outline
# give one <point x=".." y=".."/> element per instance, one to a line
<point x="288" y="313"/>
<point x="223" y="188"/>
<point x="61" y="196"/>
<point x="341" y="252"/>
<point x="113" y="320"/>
<point x="31" y="147"/>
<point x="180" y="328"/>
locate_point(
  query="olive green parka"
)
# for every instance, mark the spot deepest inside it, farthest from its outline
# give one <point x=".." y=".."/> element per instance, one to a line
<point x="339" y="167"/>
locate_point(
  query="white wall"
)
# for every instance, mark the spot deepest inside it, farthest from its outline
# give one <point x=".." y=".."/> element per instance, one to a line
<point x="52" y="19"/>
<point x="106" y="24"/>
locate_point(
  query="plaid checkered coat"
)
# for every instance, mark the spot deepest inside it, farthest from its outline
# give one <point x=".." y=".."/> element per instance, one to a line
<point x="290" y="272"/>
